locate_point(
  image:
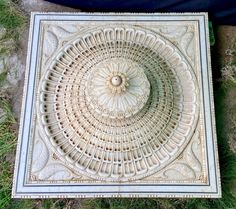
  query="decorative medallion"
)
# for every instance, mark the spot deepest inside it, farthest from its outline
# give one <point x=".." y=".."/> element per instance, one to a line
<point x="119" y="104"/>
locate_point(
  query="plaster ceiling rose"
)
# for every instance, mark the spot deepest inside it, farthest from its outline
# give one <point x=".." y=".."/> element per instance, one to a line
<point x="121" y="103"/>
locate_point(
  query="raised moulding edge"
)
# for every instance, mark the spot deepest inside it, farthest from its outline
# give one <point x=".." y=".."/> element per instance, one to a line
<point x="187" y="193"/>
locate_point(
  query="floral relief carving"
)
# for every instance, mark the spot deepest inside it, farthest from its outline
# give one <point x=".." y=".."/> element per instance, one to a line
<point x="46" y="167"/>
<point x="188" y="166"/>
<point x="56" y="36"/>
<point x="182" y="37"/>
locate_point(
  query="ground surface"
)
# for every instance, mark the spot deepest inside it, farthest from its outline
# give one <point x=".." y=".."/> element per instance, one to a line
<point x="12" y="67"/>
<point x="29" y="6"/>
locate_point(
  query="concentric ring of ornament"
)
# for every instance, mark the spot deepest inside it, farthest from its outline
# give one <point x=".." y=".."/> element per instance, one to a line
<point x="114" y="149"/>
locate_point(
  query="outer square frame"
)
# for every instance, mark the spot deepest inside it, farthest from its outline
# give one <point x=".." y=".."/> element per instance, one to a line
<point x="23" y="189"/>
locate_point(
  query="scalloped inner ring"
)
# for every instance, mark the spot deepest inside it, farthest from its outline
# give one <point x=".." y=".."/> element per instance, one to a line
<point x="126" y="149"/>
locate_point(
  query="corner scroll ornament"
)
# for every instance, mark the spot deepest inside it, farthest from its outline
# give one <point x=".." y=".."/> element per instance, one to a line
<point x="45" y="167"/>
<point x="188" y="167"/>
<point x="55" y="36"/>
<point x="182" y="37"/>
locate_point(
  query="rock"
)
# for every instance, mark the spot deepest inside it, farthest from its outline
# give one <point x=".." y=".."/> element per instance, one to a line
<point x="2" y="115"/>
<point x="2" y="65"/>
<point x="15" y="69"/>
<point x="44" y="6"/>
<point x="2" y="32"/>
<point x="17" y="99"/>
<point x="5" y="94"/>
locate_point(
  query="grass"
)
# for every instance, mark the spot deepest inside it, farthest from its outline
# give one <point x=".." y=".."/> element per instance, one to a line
<point x="3" y="76"/>
<point x="8" y="140"/>
<point x="226" y="157"/>
<point x="229" y="70"/>
<point x="134" y="204"/>
<point x="7" y="145"/>
<point x="12" y="20"/>
<point x="11" y="17"/>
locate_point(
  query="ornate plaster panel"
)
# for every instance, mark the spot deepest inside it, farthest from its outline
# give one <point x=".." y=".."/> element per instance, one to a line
<point x="117" y="105"/>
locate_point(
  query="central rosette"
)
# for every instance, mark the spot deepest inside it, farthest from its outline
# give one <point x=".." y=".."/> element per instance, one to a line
<point x="117" y="82"/>
<point x="117" y="88"/>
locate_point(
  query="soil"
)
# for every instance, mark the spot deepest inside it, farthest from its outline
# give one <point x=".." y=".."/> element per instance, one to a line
<point x="44" y="6"/>
<point x="225" y="36"/>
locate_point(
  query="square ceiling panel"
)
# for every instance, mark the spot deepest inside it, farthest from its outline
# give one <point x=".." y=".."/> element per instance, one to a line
<point x="117" y="105"/>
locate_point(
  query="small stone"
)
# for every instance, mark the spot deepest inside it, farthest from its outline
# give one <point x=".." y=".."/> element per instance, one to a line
<point x="2" y="65"/>
<point x="2" y="32"/>
<point x="2" y="115"/>
<point x="15" y="70"/>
